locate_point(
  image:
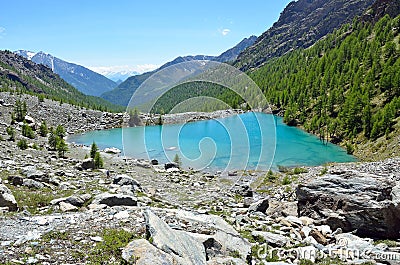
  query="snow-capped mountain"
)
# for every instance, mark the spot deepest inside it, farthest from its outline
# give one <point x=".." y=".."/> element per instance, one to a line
<point x="26" y="54"/>
<point x="114" y="73"/>
<point x="82" y="78"/>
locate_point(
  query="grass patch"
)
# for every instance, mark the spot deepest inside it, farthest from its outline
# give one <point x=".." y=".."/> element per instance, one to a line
<point x="55" y="235"/>
<point x="32" y="199"/>
<point x="109" y="250"/>
<point x="389" y="243"/>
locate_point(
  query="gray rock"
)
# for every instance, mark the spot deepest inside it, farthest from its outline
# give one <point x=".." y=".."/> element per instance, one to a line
<point x="367" y="204"/>
<point x="228" y="260"/>
<point x="32" y="184"/>
<point x="86" y="164"/>
<point x="7" y="199"/>
<point x="259" y="206"/>
<point x="141" y="252"/>
<point x="171" y="165"/>
<point x="271" y="238"/>
<point x="78" y="200"/>
<point x="16" y="180"/>
<point x="32" y="173"/>
<point x="243" y="190"/>
<point x="178" y="244"/>
<point x="67" y="207"/>
<point x="123" y="180"/>
<point x="115" y="199"/>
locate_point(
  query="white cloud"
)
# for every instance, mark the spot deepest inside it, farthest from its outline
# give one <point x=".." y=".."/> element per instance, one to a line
<point x="2" y="32"/>
<point x="225" y="32"/>
<point x="141" y="68"/>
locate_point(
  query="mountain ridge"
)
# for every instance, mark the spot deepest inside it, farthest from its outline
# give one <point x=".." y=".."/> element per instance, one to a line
<point x="80" y="77"/>
<point x="300" y="25"/>
<point x="124" y="91"/>
<point x="18" y="74"/>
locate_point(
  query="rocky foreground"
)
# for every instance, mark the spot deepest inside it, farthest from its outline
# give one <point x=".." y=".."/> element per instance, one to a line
<point x="62" y="211"/>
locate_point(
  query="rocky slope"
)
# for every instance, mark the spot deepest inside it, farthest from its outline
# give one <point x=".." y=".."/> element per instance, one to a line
<point x="83" y="79"/>
<point x="300" y="25"/>
<point x="20" y="74"/>
<point x="62" y="211"/>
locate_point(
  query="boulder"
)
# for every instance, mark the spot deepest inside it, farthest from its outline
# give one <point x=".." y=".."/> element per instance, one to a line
<point x="86" y="164"/>
<point x="154" y="162"/>
<point x="112" y="150"/>
<point x="115" y="199"/>
<point x="171" y="165"/>
<point x="124" y="179"/>
<point x="78" y="200"/>
<point x="259" y="206"/>
<point x="367" y="204"/>
<point x="16" y="180"/>
<point x="67" y="207"/>
<point x="242" y="190"/>
<point x="141" y="252"/>
<point x="183" y="247"/>
<point x="7" y="199"/>
<point x="32" y="184"/>
<point x="218" y="231"/>
<point x="272" y="239"/>
<point x="32" y="173"/>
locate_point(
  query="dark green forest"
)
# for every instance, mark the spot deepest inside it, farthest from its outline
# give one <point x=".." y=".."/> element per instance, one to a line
<point x="344" y="86"/>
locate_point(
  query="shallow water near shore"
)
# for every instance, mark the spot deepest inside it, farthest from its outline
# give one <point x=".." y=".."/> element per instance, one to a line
<point x="247" y="141"/>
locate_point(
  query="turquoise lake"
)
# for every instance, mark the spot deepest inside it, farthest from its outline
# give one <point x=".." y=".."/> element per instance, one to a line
<point x="247" y="141"/>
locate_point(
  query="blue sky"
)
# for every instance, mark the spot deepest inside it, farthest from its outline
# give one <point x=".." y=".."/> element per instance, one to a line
<point x="131" y="33"/>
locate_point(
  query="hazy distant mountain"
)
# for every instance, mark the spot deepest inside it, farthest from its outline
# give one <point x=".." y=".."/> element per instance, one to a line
<point x="118" y="76"/>
<point x="83" y="79"/>
<point x="122" y="94"/>
<point x="300" y="25"/>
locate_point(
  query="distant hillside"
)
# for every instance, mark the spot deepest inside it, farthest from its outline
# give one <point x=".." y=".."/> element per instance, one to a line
<point x="83" y="79"/>
<point x="18" y="74"/>
<point x="122" y="94"/>
<point x="300" y="25"/>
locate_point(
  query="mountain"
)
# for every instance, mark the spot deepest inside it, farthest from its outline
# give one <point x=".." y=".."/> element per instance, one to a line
<point x="122" y="94"/>
<point x="85" y="80"/>
<point x="232" y="54"/>
<point x="25" y="76"/>
<point x="118" y="76"/>
<point x="300" y="25"/>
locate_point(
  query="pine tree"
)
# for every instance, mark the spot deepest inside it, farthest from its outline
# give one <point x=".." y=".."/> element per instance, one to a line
<point x="53" y="140"/>
<point x="60" y="131"/>
<point x="93" y="150"/>
<point x="43" y="131"/>
<point x="62" y="147"/>
<point x="11" y="132"/>
<point x="98" y="161"/>
<point x="177" y="160"/>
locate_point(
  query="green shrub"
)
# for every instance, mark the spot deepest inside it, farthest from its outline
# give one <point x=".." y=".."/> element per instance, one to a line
<point x="110" y="248"/>
<point x="11" y="132"/>
<point x="22" y="144"/>
<point x="286" y="180"/>
<point x="27" y="131"/>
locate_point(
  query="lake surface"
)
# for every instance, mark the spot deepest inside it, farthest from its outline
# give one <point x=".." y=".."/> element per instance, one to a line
<point x="247" y="141"/>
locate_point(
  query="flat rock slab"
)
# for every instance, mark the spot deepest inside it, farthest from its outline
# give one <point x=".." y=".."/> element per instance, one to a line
<point x="367" y="204"/>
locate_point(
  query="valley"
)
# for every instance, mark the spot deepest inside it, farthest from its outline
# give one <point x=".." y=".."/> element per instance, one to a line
<point x="284" y="149"/>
